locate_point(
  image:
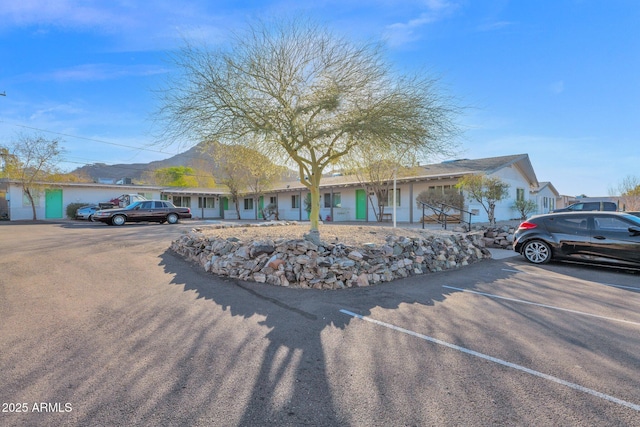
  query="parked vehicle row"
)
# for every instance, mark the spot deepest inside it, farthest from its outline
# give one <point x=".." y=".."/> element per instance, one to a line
<point x="611" y="238"/>
<point x="86" y="212"/>
<point x="160" y="211"/>
<point x="589" y="206"/>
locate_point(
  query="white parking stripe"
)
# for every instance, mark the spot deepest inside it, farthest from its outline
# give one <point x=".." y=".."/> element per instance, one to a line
<point x="633" y="288"/>
<point x="542" y="305"/>
<point x="498" y="361"/>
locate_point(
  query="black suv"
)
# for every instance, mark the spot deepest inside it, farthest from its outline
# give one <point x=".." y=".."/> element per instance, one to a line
<point x="598" y="237"/>
<point x="589" y="206"/>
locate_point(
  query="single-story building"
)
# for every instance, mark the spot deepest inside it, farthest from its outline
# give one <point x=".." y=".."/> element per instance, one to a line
<point x="52" y="200"/>
<point x="546" y="196"/>
<point x="343" y="198"/>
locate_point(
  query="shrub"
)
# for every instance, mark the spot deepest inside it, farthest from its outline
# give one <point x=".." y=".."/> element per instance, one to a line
<point x="72" y="208"/>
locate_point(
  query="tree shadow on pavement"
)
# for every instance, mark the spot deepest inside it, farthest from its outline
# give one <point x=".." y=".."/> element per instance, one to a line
<point x="286" y="369"/>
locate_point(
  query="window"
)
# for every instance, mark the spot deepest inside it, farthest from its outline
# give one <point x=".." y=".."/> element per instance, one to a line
<point x="273" y="200"/>
<point x="520" y="194"/>
<point x="295" y="201"/>
<point x="248" y="204"/>
<point x="576" y="225"/>
<point x="612" y="224"/>
<point x="206" y="202"/>
<point x="335" y="202"/>
<point x="390" y="199"/>
<point x="182" y="201"/>
<point x="27" y="202"/>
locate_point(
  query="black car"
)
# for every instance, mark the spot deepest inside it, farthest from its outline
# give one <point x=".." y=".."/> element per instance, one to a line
<point x="598" y="237"/>
<point x="589" y="206"/>
<point x="148" y="210"/>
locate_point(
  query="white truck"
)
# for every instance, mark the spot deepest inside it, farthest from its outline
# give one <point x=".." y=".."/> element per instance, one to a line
<point x="121" y="201"/>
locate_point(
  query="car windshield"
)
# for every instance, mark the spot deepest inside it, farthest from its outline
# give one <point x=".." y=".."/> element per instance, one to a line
<point x="633" y="218"/>
<point x="133" y="205"/>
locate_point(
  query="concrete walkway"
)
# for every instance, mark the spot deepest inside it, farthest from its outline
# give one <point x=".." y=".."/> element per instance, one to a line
<point x="502" y="253"/>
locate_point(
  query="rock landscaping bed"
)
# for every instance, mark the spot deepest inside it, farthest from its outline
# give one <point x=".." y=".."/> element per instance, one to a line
<point x="499" y="237"/>
<point x="352" y="256"/>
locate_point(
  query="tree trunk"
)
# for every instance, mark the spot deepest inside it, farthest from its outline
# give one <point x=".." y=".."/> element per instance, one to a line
<point x="314" y="215"/>
<point x="33" y="205"/>
<point x="236" y="201"/>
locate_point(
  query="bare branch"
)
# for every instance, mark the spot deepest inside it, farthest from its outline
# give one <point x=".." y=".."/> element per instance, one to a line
<point x="304" y="96"/>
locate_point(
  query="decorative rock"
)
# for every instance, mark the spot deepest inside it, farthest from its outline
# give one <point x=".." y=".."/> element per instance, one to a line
<point x="304" y="263"/>
<point x="363" y="280"/>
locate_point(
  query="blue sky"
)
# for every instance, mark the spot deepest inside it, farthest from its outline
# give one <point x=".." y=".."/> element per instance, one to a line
<point x="557" y="79"/>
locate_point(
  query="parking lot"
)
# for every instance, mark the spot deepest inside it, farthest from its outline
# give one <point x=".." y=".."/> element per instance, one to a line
<point x="105" y="326"/>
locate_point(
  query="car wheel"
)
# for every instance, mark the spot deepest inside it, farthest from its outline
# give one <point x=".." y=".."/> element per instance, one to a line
<point x="537" y="252"/>
<point x="172" y="218"/>
<point x="91" y="218"/>
<point x="118" y="220"/>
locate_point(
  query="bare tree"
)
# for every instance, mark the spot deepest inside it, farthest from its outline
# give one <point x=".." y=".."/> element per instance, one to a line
<point x="376" y="169"/>
<point x="303" y="96"/>
<point x="32" y="161"/>
<point x="485" y="190"/>
<point x="261" y="173"/>
<point x="524" y="208"/>
<point x="629" y="192"/>
<point x="444" y="199"/>
<point x="232" y="171"/>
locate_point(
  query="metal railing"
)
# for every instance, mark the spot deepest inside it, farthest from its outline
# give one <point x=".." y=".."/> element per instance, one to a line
<point x="442" y="215"/>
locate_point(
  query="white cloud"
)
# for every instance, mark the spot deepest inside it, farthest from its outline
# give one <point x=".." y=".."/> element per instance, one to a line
<point x="401" y="33"/>
<point x="132" y="25"/>
<point x="61" y="13"/>
<point x="495" y="25"/>
<point x="93" y="72"/>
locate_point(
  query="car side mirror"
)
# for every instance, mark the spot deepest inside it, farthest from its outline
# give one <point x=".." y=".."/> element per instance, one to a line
<point x="634" y="230"/>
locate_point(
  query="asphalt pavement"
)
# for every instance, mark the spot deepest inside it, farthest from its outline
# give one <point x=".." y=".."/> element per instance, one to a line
<point x="105" y="326"/>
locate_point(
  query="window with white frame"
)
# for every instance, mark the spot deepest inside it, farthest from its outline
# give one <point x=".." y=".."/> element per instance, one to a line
<point x="206" y="202"/>
<point x="332" y="200"/>
<point x="273" y="200"/>
<point x="520" y="194"/>
<point x="182" y="201"/>
<point x="390" y="197"/>
<point x="295" y="201"/>
<point x="248" y="204"/>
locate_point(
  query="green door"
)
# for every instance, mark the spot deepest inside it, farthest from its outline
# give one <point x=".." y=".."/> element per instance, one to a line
<point x="260" y="206"/>
<point x="361" y="204"/>
<point x="53" y="203"/>
<point x="224" y="205"/>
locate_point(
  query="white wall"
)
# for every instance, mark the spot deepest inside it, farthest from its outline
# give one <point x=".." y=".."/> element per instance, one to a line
<point x="18" y="209"/>
<point x="545" y="200"/>
<point x="87" y="194"/>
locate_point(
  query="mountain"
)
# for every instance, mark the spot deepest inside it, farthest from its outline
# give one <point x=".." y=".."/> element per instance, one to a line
<point x="194" y="157"/>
